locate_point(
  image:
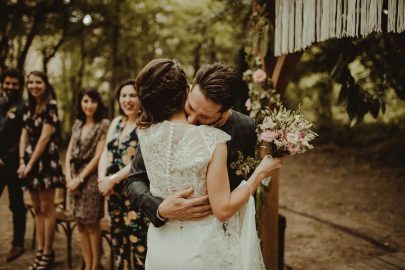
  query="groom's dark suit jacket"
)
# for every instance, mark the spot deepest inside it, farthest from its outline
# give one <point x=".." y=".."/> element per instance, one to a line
<point x="243" y="138"/>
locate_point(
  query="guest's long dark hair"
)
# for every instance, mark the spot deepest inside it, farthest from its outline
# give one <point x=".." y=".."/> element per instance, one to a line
<point x="48" y="95"/>
<point x="92" y="92"/>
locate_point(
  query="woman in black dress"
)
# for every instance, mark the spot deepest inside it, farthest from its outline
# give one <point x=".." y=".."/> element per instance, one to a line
<point x="40" y="168"/>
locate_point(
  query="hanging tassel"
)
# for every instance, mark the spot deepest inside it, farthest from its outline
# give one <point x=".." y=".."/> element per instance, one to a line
<point x="284" y="27"/>
<point x="401" y="16"/>
<point x="392" y="14"/>
<point x="311" y="22"/>
<point x="344" y="18"/>
<point x="372" y="22"/>
<point x="351" y="18"/>
<point x="299" y="23"/>
<point x="325" y="20"/>
<point x="277" y="34"/>
<point x="338" y="25"/>
<point x="357" y="23"/>
<point x="318" y="19"/>
<point x="291" y="32"/>
<point x="364" y="16"/>
<point x="308" y="24"/>
<point x="298" y="26"/>
<point x="332" y="14"/>
<point x="379" y="6"/>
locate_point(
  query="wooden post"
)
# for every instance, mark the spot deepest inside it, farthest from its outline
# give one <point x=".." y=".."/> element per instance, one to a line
<point x="280" y="70"/>
<point x="269" y="225"/>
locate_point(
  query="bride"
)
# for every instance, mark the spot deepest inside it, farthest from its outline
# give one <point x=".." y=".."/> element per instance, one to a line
<point x="179" y="155"/>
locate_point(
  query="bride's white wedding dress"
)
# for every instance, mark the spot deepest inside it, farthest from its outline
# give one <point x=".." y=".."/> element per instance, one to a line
<point x="176" y="157"/>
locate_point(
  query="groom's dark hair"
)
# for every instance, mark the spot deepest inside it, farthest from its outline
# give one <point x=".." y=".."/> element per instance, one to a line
<point x="161" y="86"/>
<point x="220" y="83"/>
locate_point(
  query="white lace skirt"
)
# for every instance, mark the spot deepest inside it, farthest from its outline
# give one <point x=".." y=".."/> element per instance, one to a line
<point x="206" y="244"/>
<point x="175" y="246"/>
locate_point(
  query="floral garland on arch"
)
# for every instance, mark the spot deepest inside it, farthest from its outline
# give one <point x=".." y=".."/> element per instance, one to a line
<point x="280" y="131"/>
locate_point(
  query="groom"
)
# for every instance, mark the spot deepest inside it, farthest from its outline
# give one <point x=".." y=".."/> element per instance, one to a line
<point x="209" y="102"/>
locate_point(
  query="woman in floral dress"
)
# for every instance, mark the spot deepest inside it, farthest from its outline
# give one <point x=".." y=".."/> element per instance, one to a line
<point x="86" y="144"/>
<point x="40" y="169"/>
<point x="128" y="225"/>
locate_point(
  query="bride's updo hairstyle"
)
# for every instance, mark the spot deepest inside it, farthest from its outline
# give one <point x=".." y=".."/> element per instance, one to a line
<point x="161" y="86"/>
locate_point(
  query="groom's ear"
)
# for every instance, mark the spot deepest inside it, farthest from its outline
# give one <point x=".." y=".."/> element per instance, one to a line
<point x="188" y="91"/>
<point x="185" y="97"/>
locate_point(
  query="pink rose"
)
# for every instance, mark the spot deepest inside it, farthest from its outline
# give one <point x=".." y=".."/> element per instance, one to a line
<point x="292" y="137"/>
<point x="268" y="136"/>
<point x="259" y="76"/>
<point x="293" y="149"/>
<point x="248" y="104"/>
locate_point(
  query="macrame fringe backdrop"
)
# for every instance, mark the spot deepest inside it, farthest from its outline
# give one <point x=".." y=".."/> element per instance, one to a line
<point x="299" y="23"/>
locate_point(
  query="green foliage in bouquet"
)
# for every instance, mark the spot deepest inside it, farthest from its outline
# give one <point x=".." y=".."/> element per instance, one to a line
<point x="244" y="167"/>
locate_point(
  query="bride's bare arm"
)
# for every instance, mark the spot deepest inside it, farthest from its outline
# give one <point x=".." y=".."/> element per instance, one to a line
<point x="225" y="203"/>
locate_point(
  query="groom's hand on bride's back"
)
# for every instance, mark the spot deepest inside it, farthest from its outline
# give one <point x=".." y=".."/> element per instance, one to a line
<point x="180" y="206"/>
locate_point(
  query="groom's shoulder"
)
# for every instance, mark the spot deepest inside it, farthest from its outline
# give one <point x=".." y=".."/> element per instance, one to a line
<point x="241" y="120"/>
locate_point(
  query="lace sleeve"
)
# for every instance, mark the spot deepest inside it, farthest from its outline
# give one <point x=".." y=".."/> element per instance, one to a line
<point x="213" y="137"/>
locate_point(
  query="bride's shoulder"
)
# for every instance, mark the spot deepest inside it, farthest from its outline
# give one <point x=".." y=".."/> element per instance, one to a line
<point x="215" y="134"/>
<point x="152" y="129"/>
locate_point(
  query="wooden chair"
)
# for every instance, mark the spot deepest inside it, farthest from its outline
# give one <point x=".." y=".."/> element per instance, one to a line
<point x="66" y="221"/>
<point x="106" y="234"/>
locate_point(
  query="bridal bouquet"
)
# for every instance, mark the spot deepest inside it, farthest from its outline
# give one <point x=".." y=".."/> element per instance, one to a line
<point x="287" y="131"/>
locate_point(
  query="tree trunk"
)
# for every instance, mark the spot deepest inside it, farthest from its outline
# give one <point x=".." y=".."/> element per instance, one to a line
<point x="115" y="61"/>
<point x="48" y="54"/>
<point x="10" y="23"/>
<point x="83" y="54"/>
<point x="37" y="21"/>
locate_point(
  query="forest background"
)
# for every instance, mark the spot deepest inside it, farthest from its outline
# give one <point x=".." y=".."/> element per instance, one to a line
<point x="342" y="84"/>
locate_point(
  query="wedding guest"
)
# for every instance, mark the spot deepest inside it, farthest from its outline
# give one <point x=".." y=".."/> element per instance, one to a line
<point x="11" y="116"/>
<point x="128" y="225"/>
<point x="86" y="144"/>
<point x="40" y="169"/>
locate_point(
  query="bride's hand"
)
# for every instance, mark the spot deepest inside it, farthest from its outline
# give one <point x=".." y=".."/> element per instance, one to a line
<point x="267" y="166"/>
<point x="105" y="185"/>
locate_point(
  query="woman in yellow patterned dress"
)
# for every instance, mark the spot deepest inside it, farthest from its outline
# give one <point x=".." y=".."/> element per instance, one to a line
<point x="128" y="225"/>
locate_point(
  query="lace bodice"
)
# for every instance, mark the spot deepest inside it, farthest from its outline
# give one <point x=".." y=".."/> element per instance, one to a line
<point x="176" y="156"/>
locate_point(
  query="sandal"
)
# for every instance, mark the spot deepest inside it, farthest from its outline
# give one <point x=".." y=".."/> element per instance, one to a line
<point x="46" y="261"/>
<point x="37" y="259"/>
